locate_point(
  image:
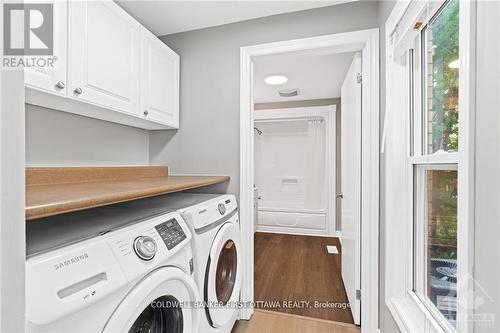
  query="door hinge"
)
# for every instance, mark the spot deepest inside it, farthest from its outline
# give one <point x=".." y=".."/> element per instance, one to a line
<point x="359" y="78"/>
<point x="358" y="294"/>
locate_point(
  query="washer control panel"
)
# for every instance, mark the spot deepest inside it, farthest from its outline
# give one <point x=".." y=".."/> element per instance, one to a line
<point x="171" y="233"/>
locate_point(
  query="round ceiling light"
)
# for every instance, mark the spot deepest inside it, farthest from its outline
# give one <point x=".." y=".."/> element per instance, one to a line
<point x="276" y="79"/>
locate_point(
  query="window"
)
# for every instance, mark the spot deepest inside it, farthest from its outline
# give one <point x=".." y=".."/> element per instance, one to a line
<point x="434" y="72"/>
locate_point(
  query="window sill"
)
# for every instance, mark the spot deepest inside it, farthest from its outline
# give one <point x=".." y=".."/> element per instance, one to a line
<point x="411" y="316"/>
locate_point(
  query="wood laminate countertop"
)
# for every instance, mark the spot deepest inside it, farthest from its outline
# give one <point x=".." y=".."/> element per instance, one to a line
<point x="52" y="191"/>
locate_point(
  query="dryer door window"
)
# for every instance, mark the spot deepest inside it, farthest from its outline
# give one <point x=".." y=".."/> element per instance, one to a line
<point x="159" y="303"/>
<point x="163" y="315"/>
<point x="225" y="275"/>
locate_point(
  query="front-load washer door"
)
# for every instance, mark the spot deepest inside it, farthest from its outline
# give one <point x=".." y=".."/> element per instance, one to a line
<point x="165" y="301"/>
<point x="223" y="276"/>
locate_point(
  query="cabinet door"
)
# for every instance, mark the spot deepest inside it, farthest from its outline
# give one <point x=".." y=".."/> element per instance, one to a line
<point x="52" y="79"/>
<point x="159" y="81"/>
<point x="104" y="55"/>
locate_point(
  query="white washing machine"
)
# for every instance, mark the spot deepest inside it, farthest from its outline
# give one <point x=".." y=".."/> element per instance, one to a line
<point x="217" y="253"/>
<point x="136" y="278"/>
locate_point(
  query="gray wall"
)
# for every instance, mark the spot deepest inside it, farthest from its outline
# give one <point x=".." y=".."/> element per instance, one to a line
<point x="208" y="140"/>
<point x="338" y="137"/>
<point x="55" y="138"/>
<point x="387" y="323"/>
<point x="487" y="226"/>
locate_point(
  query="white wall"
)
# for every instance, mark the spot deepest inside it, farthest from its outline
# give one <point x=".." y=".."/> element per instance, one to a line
<point x="56" y="138"/>
<point x="208" y="140"/>
<point x="487" y="226"/>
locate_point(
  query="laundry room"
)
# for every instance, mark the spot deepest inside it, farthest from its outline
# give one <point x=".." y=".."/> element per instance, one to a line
<point x="133" y="195"/>
<point x="249" y="166"/>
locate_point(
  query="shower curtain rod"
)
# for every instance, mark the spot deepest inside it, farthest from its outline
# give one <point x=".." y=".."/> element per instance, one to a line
<point x="267" y="120"/>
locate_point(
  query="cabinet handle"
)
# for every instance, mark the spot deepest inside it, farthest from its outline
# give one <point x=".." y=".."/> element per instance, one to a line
<point x="146" y="112"/>
<point x="60" y="85"/>
<point x="78" y="90"/>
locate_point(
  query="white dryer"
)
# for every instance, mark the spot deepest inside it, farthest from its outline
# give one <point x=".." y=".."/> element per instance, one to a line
<point x="217" y="251"/>
<point x="135" y="278"/>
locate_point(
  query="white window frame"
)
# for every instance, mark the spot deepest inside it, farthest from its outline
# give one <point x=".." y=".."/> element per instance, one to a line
<point x="410" y="313"/>
<point x="420" y="160"/>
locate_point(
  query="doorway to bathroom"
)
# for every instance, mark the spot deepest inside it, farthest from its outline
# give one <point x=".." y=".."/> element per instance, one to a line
<point x="297" y="159"/>
<point x="291" y="219"/>
<point x="294" y="156"/>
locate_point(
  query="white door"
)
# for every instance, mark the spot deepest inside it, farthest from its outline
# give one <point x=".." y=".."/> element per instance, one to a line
<point x="159" y="81"/>
<point x="351" y="186"/>
<point x="52" y="79"/>
<point x="104" y="46"/>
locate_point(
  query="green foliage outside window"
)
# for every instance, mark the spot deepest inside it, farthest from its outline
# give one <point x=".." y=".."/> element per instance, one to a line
<point x="444" y="31"/>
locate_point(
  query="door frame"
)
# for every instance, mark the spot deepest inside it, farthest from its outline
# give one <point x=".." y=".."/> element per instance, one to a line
<point x="366" y="41"/>
<point x="12" y="193"/>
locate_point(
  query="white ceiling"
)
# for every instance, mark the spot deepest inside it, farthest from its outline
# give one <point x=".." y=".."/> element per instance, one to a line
<point x="164" y="17"/>
<point x="315" y="76"/>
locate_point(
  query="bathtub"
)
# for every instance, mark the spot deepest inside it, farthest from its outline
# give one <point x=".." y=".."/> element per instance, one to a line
<point x="288" y="215"/>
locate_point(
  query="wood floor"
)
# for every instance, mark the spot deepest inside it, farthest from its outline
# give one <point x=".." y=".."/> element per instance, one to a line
<point x="273" y="322"/>
<point x="291" y="270"/>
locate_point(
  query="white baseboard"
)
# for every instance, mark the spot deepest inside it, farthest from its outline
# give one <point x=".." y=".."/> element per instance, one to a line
<point x="296" y="231"/>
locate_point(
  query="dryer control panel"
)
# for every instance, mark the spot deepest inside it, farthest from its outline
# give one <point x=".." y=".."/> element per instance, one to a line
<point x="171" y="233"/>
<point x="211" y="211"/>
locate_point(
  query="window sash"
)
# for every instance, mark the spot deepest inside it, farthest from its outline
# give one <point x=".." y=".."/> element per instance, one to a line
<point x="418" y="92"/>
<point x="420" y="240"/>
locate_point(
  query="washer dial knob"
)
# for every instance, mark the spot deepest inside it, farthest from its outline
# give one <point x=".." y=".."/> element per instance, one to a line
<point x="222" y="208"/>
<point x="145" y="247"/>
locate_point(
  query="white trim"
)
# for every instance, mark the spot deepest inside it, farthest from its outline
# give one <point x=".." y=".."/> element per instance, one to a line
<point x="246" y="180"/>
<point x="296" y="231"/>
<point x="368" y="42"/>
<point x="411" y="315"/>
<point x="12" y="196"/>
<point x="466" y="164"/>
<point x="293" y="210"/>
<point x="440" y="158"/>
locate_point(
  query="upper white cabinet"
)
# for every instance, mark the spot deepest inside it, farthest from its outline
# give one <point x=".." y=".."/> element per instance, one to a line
<point x="159" y="80"/>
<point x="104" y="49"/>
<point x="115" y="69"/>
<point x="53" y="79"/>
